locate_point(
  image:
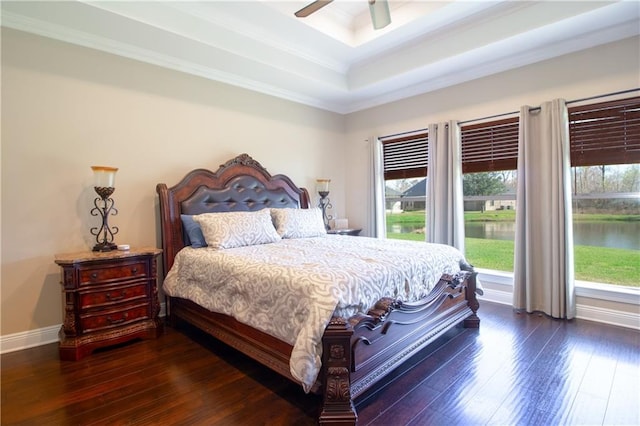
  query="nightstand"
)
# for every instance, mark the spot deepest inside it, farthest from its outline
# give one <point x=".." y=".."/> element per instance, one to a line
<point x="109" y="298"/>
<point x="349" y="231"/>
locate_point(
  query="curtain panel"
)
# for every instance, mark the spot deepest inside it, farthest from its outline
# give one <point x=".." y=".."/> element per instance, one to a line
<point x="445" y="208"/>
<point x="543" y="258"/>
<point x="376" y="208"/>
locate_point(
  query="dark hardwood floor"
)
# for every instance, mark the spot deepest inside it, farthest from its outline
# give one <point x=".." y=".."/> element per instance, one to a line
<point x="517" y="369"/>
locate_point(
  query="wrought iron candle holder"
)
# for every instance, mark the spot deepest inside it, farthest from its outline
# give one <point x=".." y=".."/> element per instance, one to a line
<point x="104" y="206"/>
<point x="322" y="186"/>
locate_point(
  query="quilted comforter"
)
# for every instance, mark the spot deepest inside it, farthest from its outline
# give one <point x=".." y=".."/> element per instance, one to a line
<point x="290" y="289"/>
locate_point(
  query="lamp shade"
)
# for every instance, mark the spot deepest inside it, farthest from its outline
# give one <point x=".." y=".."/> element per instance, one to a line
<point x="380" y="15"/>
<point x="104" y="177"/>
<point x="322" y="185"/>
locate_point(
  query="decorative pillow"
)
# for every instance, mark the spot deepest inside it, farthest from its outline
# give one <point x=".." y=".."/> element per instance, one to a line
<point x="298" y="223"/>
<point x="193" y="231"/>
<point x="237" y="229"/>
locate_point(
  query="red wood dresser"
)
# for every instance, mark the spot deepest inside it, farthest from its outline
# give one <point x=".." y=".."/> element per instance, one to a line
<point x="109" y="298"/>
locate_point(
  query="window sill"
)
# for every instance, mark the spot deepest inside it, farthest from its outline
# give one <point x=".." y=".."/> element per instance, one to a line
<point x="591" y="290"/>
<point x="614" y="293"/>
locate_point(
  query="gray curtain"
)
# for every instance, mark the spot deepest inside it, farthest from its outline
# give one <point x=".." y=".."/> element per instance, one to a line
<point x="377" y="220"/>
<point x="445" y="209"/>
<point x="543" y="267"/>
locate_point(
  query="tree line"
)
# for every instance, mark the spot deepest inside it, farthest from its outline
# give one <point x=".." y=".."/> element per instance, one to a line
<point x="585" y="180"/>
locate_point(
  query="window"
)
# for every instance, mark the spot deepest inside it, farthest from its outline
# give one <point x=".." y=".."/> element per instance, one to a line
<point x="405" y="174"/>
<point x="605" y="159"/>
<point x="489" y="162"/>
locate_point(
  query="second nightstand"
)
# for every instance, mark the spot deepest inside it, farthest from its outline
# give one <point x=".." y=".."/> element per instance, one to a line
<point x="109" y="298"/>
<point x="349" y="231"/>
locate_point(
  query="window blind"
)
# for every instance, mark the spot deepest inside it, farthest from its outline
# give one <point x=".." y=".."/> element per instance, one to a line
<point x="601" y="133"/>
<point x="605" y="133"/>
<point x="490" y="146"/>
<point x="406" y="156"/>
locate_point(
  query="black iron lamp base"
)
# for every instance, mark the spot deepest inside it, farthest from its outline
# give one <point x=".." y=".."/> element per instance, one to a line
<point x="105" y="247"/>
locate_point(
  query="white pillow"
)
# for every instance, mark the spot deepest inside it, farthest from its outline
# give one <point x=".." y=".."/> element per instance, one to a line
<point x="237" y="229"/>
<point x="298" y="223"/>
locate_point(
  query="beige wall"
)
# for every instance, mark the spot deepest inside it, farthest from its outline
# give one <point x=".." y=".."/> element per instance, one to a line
<point x="65" y="108"/>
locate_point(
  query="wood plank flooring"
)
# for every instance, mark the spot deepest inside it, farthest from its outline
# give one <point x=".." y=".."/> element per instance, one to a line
<point x="518" y="369"/>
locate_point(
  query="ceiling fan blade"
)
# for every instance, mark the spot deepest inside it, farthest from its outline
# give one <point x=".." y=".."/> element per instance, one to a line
<point x="380" y="15"/>
<point x="312" y="7"/>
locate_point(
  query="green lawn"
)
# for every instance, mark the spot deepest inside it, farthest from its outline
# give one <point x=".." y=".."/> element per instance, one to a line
<point x="596" y="264"/>
<point x="490" y="254"/>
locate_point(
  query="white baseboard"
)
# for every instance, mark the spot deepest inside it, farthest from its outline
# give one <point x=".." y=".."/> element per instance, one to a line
<point x="585" y="312"/>
<point x="497" y="296"/>
<point x="29" y="339"/>
<point x="608" y="316"/>
<point x="41" y="336"/>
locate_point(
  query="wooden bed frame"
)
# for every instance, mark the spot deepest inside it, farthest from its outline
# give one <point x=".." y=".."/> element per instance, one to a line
<point x="358" y="352"/>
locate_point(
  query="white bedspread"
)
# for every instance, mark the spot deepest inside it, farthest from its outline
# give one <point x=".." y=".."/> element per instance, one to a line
<point x="290" y="289"/>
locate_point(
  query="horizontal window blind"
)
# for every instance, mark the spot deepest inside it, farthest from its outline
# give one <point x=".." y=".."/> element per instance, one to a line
<point x="605" y="133"/>
<point x="406" y="156"/>
<point x="600" y="134"/>
<point x="490" y="146"/>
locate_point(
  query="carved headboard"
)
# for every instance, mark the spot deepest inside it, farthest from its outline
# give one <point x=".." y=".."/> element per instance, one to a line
<point x="241" y="184"/>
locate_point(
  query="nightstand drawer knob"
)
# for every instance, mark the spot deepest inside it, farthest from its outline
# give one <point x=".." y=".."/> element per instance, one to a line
<point x="134" y="270"/>
<point x="117" y="321"/>
<point x="123" y="294"/>
<point x="94" y="275"/>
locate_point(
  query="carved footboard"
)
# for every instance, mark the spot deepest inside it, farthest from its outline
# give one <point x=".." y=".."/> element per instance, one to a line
<point x="358" y="353"/>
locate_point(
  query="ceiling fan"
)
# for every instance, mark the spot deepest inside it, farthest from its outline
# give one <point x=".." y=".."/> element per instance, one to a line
<point x="379" y="10"/>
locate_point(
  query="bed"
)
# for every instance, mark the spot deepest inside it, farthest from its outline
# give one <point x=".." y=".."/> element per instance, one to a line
<point x="348" y="343"/>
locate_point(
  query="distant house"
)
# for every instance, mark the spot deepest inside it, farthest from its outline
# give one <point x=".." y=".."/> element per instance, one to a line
<point x="498" y="203"/>
<point x="414" y="198"/>
<point x="392" y="200"/>
<point x="488" y="205"/>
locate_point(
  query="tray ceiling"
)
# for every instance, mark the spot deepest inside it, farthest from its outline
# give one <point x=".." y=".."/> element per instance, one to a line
<point x="333" y="59"/>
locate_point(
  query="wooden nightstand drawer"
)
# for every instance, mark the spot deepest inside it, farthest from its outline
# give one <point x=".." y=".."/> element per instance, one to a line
<point x="113" y="295"/>
<point x="105" y="273"/>
<point x="114" y="318"/>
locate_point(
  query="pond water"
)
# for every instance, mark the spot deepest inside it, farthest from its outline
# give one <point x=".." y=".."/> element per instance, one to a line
<point x="624" y="235"/>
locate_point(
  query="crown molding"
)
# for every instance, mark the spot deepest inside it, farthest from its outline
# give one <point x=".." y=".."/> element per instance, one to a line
<point x="65" y="34"/>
